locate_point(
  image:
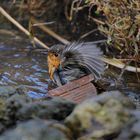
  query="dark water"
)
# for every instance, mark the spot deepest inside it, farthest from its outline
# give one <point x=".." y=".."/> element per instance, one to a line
<point x="20" y="67"/>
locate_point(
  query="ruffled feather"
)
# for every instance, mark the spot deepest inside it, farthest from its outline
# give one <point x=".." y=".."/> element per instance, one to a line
<point x="84" y="55"/>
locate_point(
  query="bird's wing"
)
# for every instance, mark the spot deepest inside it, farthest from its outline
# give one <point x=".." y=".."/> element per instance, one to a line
<point x="86" y="55"/>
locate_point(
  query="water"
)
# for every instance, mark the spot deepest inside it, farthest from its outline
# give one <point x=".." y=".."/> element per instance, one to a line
<point x="19" y="67"/>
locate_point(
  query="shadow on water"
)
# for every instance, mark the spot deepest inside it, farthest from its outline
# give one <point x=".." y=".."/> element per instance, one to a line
<point x="18" y="67"/>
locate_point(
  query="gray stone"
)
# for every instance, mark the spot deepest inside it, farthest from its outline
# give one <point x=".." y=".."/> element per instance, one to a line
<point x="136" y="128"/>
<point x="16" y="106"/>
<point x="55" y="108"/>
<point x="7" y="91"/>
<point x="99" y="117"/>
<point x="38" y="130"/>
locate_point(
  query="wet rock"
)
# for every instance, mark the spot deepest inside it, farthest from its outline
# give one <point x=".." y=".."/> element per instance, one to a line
<point x="136" y="128"/>
<point x="7" y="91"/>
<point x="126" y="132"/>
<point x="55" y="108"/>
<point x="134" y="97"/>
<point x="16" y="105"/>
<point x="38" y="130"/>
<point x="102" y="117"/>
<point x="136" y="113"/>
<point x="10" y="91"/>
<point x="131" y="130"/>
<point x="3" y="116"/>
<point x="107" y="116"/>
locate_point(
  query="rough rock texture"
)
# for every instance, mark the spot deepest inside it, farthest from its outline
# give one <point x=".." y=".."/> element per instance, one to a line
<point x="16" y="106"/>
<point x="38" y="130"/>
<point x="102" y="117"/>
<point x="109" y="116"/>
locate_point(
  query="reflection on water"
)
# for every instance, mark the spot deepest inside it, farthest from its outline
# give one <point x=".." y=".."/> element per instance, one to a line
<point x="17" y="67"/>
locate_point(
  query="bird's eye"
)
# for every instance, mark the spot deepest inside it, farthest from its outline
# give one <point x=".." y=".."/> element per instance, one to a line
<point x="56" y="55"/>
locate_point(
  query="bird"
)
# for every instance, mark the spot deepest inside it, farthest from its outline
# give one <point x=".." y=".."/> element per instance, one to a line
<point x="73" y="61"/>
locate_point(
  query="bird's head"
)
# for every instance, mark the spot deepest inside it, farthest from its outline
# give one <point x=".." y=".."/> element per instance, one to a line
<point x="54" y="59"/>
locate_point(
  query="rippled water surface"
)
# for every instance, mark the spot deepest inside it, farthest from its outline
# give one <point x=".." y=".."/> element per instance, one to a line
<point x="19" y="67"/>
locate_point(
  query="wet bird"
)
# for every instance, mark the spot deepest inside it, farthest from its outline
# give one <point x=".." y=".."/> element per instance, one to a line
<point x="72" y="61"/>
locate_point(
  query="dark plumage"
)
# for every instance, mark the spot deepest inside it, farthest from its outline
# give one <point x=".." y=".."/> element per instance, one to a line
<point x="76" y="60"/>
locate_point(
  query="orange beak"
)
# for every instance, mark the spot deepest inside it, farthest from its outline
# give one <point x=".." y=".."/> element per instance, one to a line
<point x="53" y="64"/>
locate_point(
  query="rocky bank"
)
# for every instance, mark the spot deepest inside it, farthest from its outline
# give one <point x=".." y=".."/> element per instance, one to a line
<point x="109" y="116"/>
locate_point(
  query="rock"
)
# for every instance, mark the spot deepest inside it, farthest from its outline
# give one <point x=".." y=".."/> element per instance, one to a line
<point x="101" y="117"/>
<point x="3" y="116"/>
<point x="131" y="130"/>
<point x="55" y="108"/>
<point x="136" y="128"/>
<point x="136" y="113"/>
<point x="126" y="132"/>
<point x="7" y="91"/>
<point x="16" y="105"/>
<point x="107" y="116"/>
<point x="133" y="96"/>
<point x="38" y="130"/>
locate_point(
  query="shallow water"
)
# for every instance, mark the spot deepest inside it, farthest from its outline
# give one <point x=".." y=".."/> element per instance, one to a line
<point x="19" y="67"/>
